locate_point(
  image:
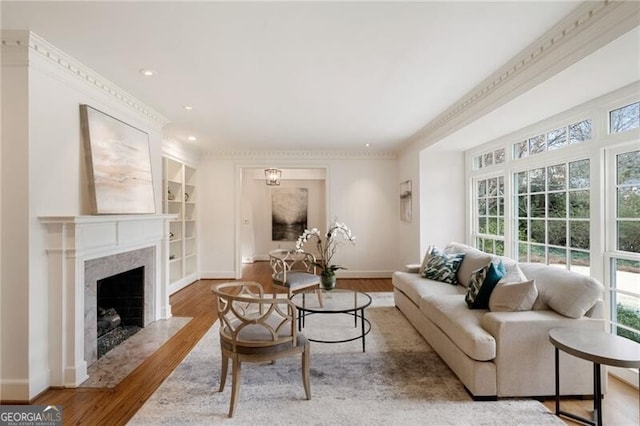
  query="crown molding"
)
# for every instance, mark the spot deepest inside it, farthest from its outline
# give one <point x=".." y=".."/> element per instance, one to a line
<point x="590" y="26"/>
<point x="179" y="150"/>
<point x="298" y="155"/>
<point x="16" y="41"/>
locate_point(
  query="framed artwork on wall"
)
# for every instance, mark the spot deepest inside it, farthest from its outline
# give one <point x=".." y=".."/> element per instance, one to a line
<point x="405" y="201"/>
<point x="118" y="163"/>
<point x="289" y="209"/>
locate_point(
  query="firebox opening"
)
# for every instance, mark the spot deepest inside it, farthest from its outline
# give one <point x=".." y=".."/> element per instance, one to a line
<point x="120" y="308"/>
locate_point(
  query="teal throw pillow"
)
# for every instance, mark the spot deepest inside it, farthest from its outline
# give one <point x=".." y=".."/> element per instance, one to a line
<point x="443" y="266"/>
<point x="482" y="283"/>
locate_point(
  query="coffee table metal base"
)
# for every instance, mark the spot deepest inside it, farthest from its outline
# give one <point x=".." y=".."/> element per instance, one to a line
<point x="597" y="395"/>
<point x="358" y="313"/>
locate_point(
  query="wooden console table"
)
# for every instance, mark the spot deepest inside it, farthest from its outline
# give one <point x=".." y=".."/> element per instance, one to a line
<point x="598" y="347"/>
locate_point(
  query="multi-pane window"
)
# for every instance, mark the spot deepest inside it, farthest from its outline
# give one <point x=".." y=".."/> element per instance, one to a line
<point x="552" y="215"/>
<point x="489" y="159"/>
<point x="628" y="201"/>
<point x="489" y="235"/>
<point x="554" y="139"/>
<point x="625" y="273"/>
<point x="625" y="298"/>
<point x="625" y="118"/>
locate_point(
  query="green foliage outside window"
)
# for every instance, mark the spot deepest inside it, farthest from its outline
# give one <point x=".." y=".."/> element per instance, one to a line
<point x="631" y="318"/>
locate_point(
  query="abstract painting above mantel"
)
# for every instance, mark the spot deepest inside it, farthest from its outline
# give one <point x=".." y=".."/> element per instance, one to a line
<point x="118" y="163"/>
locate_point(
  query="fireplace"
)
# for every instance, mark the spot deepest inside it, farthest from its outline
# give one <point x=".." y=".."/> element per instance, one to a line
<point x="118" y="282"/>
<point x="84" y="250"/>
<point x="120" y="312"/>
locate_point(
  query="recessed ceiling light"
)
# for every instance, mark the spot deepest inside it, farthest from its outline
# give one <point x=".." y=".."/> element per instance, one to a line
<point x="367" y="145"/>
<point x="188" y="107"/>
<point x="147" y="72"/>
<point x="192" y="138"/>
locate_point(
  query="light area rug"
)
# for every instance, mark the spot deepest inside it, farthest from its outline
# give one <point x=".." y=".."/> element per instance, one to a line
<point x="399" y="380"/>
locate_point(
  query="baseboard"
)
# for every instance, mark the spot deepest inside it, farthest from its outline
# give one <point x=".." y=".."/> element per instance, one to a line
<point x="180" y="284"/>
<point x="364" y="274"/>
<point x="217" y="275"/>
<point x="15" y="391"/>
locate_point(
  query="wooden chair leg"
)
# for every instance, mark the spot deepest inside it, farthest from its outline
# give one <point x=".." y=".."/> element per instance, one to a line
<point x="305" y="371"/>
<point x="235" y="386"/>
<point x="223" y="372"/>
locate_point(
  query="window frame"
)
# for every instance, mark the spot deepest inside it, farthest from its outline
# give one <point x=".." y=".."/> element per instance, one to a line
<point x="599" y="149"/>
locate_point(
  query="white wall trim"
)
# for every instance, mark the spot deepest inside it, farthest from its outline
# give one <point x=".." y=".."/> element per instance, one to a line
<point x="364" y="274"/>
<point x="17" y="388"/>
<point x="179" y="150"/>
<point x="217" y="275"/>
<point x="36" y="44"/>
<point x="589" y="27"/>
<point x="299" y="155"/>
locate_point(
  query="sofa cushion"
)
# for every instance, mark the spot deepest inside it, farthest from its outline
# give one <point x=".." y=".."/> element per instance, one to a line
<point x="461" y="324"/>
<point x="568" y="293"/>
<point x="416" y="287"/>
<point x="443" y="266"/>
<point x="473" y="260"/>
<point x="482" y="283"/>
<point x="513" y="297"/>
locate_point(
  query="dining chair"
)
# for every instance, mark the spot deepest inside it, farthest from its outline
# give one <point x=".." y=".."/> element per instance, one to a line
<point x="256" y="329"/>
<point x="292" y="270"/>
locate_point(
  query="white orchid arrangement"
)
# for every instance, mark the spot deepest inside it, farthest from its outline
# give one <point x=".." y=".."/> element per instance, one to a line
<point x="327" y="245"/>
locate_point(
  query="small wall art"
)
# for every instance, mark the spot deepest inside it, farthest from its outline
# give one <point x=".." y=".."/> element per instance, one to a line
<point x="405" y="201"/>
<point x="119" y="164"/>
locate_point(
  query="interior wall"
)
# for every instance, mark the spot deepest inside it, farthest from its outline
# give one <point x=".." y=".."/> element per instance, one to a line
<point x="443" y="200"/>
<point x="409" y="251"/>
<point x="257" y="209"/>
<point x="53" y="181"/>
<point x="361" y="192"/>
<point x="14" y="284"/>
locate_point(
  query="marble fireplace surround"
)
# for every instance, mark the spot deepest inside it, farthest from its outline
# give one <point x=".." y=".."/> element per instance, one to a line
<point x="82" y="248"/>
<point x="107" y="266"/>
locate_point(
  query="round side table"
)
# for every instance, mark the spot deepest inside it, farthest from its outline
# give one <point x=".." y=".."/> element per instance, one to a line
<point x="598" y="347"/>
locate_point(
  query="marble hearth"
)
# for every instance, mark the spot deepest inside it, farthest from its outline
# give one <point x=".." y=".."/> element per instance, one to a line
<point x="82" y="250"/>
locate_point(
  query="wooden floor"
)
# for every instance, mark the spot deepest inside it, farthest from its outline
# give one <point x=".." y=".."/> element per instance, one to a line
<point x="116" y="406"/>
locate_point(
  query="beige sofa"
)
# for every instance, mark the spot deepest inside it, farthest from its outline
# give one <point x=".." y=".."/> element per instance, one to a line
<point x="504" y="354"/>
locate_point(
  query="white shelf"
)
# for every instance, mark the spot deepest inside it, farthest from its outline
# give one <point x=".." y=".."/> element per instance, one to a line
<point x="179" y="178"/>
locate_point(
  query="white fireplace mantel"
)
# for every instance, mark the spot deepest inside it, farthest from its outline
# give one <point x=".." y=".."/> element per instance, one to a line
<point x="71" y="241"/>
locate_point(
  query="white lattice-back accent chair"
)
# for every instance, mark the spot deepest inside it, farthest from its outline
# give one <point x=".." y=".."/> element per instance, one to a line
<point x="292" y="270"/>
<point x="256" y="329"/>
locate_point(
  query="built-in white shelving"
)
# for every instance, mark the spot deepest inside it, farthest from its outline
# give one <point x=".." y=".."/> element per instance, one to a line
<point x="180" y="198"/>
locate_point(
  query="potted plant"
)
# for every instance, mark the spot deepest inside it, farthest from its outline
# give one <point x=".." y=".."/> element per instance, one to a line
<point x="327" y="245"/>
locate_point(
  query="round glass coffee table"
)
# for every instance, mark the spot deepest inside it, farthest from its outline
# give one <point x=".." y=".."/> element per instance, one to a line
<point x="336" y="301"/>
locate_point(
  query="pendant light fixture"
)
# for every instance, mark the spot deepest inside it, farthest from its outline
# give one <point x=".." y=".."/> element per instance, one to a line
<point x="272" y="176"/>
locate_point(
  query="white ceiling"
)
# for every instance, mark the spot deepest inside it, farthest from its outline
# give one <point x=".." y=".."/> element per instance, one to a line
<point x="293" y="75"/>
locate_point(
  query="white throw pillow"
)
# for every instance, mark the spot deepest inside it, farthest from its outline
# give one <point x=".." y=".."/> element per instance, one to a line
<point x="513" y="275"/>
<point x="513" y="297"/>
<point x="474" y="259"/>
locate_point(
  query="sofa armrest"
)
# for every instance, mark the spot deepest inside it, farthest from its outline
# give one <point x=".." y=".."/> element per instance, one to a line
<point x="412" y="268"/>
<point x="525" y="356"/>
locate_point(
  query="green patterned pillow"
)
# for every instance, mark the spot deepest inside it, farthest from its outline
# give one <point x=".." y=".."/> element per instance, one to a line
<point x="443" y="266"/>
<point x="475" y="284"/>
